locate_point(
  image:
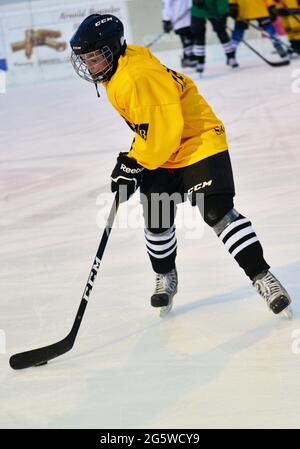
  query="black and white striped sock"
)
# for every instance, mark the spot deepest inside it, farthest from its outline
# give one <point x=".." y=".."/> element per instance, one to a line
<point x="228" y="47"/>
<point x="238" y="235"/>
<point x="188" y="50"/>
<point x="242" y="243"/>
<point x="199" y="52"/>
<point x="162" y="249"/>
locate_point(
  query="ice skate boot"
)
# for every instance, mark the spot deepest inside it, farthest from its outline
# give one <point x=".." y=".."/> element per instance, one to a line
<point x="231" y="60"/>
<point x="283" y="53"/>
<point x="277" y="298"/>
<point x="200" y="67"/>
<point x="188" y="61"/>
<point x="165" y="289"/>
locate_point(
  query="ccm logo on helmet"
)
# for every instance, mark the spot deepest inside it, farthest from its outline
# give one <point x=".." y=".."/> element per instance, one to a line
<point x="108" y="19"/>
<point x="131" y="170"/>
<point x="200" y="186"/>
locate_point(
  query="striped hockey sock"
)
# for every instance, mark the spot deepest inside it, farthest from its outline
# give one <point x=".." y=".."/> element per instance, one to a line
<point x="162" y="249"/>
<point x="242" y="243"/>
<point x="228" y="48"/>
<point x="199" y="52"/>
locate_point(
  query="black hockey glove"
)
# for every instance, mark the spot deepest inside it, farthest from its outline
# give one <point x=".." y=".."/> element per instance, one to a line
<point x="284" y="12"/>
<point x="273" y="12"/>
<point x="126" y="176"/>
<point x="167" y="26"/>
<point x="289" y="11"/>
<point x="233" y="10"/>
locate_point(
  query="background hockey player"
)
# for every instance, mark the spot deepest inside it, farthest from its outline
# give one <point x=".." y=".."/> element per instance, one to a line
<point x="264" y="11"/>
<point x="214" y="11"/>
<point x="289" y="11"/>
<point x="180" y="148"/>
<point x="176" y="15"/>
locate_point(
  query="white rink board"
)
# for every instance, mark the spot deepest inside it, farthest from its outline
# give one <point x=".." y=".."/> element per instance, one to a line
<point x="46" y="62"/>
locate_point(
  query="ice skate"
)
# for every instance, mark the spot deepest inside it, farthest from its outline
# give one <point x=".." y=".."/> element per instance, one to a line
<point x="200" y="67"/>
<point x="165" y="289"/>
<point x="283" y="53"/>
<point x="232" y="62"/>
<point x="188" y="61"/>
<point x="295" y="47"/>
<point x="277" y="298"/>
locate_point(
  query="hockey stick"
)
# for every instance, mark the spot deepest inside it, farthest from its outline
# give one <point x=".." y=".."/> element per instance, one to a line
<point x="41" y="356"/>
<point x="296" y="18"/>
<point x="160" y="35"/>
<point x="291" y="12"/>
<point x="266" y="34"/>
<point x="267" y="61"/>
<point x="156" y="39"/>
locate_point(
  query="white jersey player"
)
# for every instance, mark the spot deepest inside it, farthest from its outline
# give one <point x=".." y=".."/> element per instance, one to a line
<point x="176" y="15"/>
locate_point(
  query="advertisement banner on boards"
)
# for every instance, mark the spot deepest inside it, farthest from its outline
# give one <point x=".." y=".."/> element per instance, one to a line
<point x="37" y="35"/>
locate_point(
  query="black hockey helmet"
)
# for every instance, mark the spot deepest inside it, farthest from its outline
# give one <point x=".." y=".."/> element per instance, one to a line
<point x="97" y="46"/>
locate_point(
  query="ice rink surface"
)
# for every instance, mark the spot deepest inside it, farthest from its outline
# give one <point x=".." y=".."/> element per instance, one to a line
<point x="220" y="359"/>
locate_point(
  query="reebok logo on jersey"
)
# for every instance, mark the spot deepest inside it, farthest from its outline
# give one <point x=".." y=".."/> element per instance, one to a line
<point x="133" y="171"/>
<point x="200" y="186"/>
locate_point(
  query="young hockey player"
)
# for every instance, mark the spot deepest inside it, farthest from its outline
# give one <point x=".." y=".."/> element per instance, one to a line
<point x="214" y="11"/>
<point x="176" y="15"/>
<point x="289" y="10"/>
<point x="179" y="148"/>
<point x="264" y="11"/>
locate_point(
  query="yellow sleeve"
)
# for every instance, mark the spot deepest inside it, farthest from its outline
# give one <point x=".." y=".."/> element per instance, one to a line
<point x="269" y="3"/>
<point x="153" y="111"/>
<point x="158" y="135"/>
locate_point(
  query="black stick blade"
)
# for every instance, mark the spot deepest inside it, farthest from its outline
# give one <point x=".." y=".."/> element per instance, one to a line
<point x="40" y="356"/>
<point x="278" y="63"/>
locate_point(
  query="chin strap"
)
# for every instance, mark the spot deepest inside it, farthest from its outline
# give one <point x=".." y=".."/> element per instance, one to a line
<point x="96" y="86"/>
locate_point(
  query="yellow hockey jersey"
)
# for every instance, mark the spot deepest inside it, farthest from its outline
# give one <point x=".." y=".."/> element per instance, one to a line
<point x="290" y="23"/>
<point x="253" y="9"/>
<point x="173" y="124"/>
<point x="291" y="4"/>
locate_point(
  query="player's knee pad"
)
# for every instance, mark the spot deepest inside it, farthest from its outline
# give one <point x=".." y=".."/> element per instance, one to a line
<point x="216" y="207"/>
<point x="228" y="218"/>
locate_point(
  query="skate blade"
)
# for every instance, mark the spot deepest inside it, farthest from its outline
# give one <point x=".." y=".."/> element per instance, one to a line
<point x="287" y="313"/>
<point x="165" y="310"/>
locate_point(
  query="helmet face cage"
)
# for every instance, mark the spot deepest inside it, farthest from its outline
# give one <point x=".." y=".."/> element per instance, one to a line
<point x="85" y="65"/>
